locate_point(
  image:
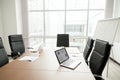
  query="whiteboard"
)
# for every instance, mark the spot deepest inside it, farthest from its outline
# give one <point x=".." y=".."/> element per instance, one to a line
<point x="116" y="45"/>
<point x="106" y="29"/>
<point x="117" y="36"/>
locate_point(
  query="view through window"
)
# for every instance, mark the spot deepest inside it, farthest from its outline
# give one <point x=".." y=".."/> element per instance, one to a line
<point x="78" y="18"/>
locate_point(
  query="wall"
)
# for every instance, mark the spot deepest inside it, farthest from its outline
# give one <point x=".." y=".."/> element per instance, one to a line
<point x="8" y="20"/>
<point x="18" y="16"/>
<point x="116" y="11"/>
<point x="1" y="26"/>
<point x="11" y="20"/>
<point x="109" y="8"/>
<point x="25" y="21"/>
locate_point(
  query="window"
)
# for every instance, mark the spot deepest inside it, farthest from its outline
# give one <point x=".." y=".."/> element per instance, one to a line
<point x="78" y="18"/>
<point x="54" y="23"/>
<point x="54" y="4"/>
<point x="76" y="30"/>
<point x="76" y="4"/>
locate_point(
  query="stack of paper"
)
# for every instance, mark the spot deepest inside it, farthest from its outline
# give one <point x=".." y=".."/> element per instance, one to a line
<point x="28" y="58"/>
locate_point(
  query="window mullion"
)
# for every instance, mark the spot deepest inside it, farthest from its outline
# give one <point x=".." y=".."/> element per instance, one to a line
<point x="65" y="18"/>
<point x="87" y="20"/>
<point x="44" y="22"/>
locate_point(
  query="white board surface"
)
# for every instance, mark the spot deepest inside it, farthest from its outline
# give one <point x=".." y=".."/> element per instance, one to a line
<point x="106" y="30"/>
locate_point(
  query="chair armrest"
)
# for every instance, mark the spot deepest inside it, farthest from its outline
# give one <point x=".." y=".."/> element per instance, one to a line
<point x="98" y="77"/>
<point x="29" y="47"/>
<point x="87" y="62"/>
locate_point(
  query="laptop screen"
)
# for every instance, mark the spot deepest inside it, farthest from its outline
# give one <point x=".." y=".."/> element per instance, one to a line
<point x="61" y="55"/>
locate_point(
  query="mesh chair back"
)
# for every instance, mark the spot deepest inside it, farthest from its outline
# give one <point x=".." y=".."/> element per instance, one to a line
<point x="63" y="40"/>
<point x="16" y="44"/>
<point x="3" y="54"/>
<point x="88" y="48"/>
<point x="99" y="56"/>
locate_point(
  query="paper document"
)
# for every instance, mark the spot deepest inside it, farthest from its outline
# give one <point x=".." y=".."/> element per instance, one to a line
<point x="28" y="58"/>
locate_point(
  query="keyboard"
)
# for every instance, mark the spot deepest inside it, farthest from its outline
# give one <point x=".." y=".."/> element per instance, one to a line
<point x="68" y="62"/>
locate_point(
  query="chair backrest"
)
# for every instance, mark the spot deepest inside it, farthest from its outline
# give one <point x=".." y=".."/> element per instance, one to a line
<point x="88" y="48"/>
<point x="3" y="54"/>
<point x="63" y="40"/>
<point x="99" y="56"/>
<point x="16" y="44"/>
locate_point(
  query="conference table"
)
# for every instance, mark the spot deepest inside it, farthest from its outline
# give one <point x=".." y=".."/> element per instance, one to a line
<point x="45" y="67"/>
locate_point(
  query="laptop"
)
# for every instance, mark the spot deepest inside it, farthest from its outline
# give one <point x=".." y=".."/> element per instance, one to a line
<point x="64" y="59"/>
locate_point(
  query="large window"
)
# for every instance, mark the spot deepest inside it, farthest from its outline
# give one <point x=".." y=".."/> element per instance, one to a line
<point x="78" y="18"/>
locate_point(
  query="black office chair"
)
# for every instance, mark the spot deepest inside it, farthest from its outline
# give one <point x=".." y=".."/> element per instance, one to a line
<point x="16" y="45"/>
<point x="88" y="49"/>
<point x="3" y="54"/>
<point x="63" y="40"/>
<point x="99" y="58"/>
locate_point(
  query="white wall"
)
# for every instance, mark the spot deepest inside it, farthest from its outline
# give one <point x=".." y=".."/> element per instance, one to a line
<point x="10" y="20"/>
<point x="1" y="26"/>
<point x="25" y="21"/>
<point x="24" y="17"/>
<point x="18" y="16"/>
<point x="8" y="11"/>
<point x="116" y="11"/>
<point x="112" y="9"/>
<point x="109" y="8"/>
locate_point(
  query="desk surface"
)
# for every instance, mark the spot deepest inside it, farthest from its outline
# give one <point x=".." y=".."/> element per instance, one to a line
<point x="46" y="67"/>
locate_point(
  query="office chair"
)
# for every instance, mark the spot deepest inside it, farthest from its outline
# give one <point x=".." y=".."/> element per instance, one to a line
<point x="3" y="54"/>
<point x="16" y="45"/>
<point x="63" y="40"/>
<point x="88" y="49"/>
<point x="99" y="58"/>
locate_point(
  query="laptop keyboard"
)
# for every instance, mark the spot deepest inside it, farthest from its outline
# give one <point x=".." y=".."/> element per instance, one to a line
<point x="68" y="62"/>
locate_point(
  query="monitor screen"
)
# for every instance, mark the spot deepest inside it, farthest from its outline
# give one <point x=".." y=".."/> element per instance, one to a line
<point x="61" y="55"/>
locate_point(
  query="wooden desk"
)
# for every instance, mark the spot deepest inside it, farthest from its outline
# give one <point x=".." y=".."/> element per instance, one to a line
<point x="46" y="67"/>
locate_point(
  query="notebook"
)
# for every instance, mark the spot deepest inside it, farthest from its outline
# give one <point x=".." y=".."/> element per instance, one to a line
<point x="64" y="59"/>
